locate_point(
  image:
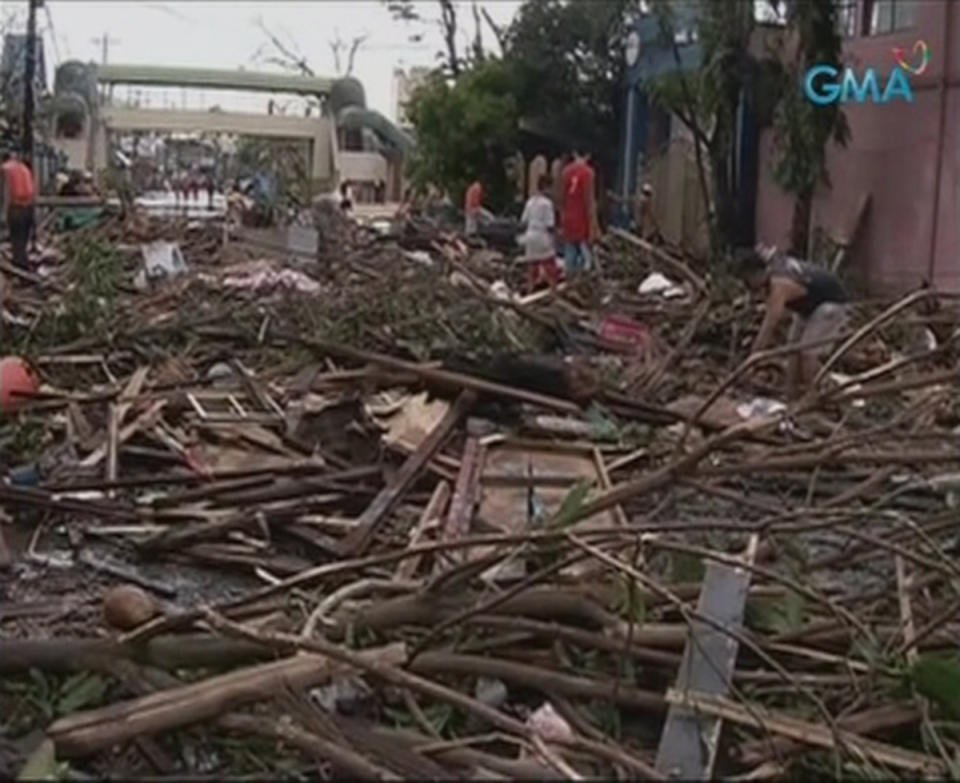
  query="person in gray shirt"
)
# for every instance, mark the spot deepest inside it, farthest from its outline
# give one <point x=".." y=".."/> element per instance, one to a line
<point x="814" y="297"/>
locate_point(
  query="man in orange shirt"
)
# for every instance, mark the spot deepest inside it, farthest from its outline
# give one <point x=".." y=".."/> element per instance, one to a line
<point x="473" y="207"/>
<point x="19" y="195"/>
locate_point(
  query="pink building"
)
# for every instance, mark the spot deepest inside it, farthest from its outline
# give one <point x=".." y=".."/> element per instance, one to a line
<point x="905" y="156"/>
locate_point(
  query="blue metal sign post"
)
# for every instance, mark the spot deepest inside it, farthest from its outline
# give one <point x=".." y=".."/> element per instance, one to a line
<point x="652" y="57"/>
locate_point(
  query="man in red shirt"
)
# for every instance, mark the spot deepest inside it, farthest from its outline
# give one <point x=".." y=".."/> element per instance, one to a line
<point x="19" y="195"/>
<point x="578" y="206"/>
<point x="472" y="207"/>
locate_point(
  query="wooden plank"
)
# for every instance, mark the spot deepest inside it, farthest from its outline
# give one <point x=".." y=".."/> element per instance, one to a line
<point x="144" y="420"/>
<point x="429" y="518"/>
<point x="374" y="515"/>
<point x="6" y="557"/>
<point x="688" y="744"/>
<point x="606" y="484"/>
<point x="464" y="499"/>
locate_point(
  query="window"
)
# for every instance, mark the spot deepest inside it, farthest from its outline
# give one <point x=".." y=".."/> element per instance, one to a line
<point x="887" y="16"/>
<point x="846" y="18"/>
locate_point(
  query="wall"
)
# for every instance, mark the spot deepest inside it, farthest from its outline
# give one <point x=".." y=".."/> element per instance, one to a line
<point x="678" y="199"/>
<point x="893" y="157"/>
<point x="362" y="166"/>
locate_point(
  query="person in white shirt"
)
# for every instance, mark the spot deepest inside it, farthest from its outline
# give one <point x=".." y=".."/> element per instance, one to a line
<point x="539" y="219"/>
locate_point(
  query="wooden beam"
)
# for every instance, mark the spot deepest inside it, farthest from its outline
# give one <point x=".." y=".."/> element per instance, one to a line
<point x="429" y="518"/>
<point x="437" y="377"/>
<point x="465" y="492"/>
<point x="374" y="515"/>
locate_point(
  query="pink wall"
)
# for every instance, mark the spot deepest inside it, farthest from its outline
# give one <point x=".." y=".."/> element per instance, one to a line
<point x="892" y="155"/>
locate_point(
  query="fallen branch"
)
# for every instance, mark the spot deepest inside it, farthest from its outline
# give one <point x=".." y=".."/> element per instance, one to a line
<point x="87" y="732"/>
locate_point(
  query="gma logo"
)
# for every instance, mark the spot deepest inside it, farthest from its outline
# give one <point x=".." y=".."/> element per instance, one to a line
<point x="823" y="86"/>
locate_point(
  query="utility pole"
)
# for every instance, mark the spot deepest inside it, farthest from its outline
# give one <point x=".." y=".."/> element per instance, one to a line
<point x="30" y="70"/>
<point x="104" y="42"/>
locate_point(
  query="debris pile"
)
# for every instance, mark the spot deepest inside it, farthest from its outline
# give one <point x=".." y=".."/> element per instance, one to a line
<point x="384" y="512"/>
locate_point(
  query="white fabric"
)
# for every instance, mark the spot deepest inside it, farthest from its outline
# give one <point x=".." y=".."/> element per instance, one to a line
<point x="538" y="214"/>
<point x="538" y="217"/>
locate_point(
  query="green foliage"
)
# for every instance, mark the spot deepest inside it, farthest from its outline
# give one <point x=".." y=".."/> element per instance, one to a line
<point x="567" y="58"/>
<point x="286" y="159"/>
<point x="707" y="100"/>
<point x="43" y="764"/>
<point x="572" y="504"/>
<point x="937" y="676"/>
<point x="40" y="698"/>
<point x="26" y="436"/>
<point x="96" y="276"/>
<point x="630" y="602"/>
<point x="685" y="567"/>
<point x="781" y="616"/>
<point x="561" y="71"/>
<point x="466" y="129"/>
<point x="802" y="131"/>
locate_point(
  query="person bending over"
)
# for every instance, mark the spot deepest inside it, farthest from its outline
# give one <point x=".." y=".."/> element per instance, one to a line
<point x="814" y="297"/>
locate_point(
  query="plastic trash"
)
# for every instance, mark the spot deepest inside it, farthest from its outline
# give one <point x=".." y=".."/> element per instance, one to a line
<point x="163" y="259"/>
<point x="419" y="256"/>
<point x="549" y="724"/>
<point x="17" y="381"/>
<point x="759" y="406"/>
<point x="625" y="334"/>
<point x="655" y="283"/>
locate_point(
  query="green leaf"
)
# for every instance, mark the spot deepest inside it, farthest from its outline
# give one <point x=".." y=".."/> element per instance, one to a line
<point x="792" y="610"/>
<point x="80" y="691"/>
<point x="937" y="676"/>
<point x="625" y="599"/>
<point x="572" y="504"/>
<point x="686" y="568"/>
<point x="777" y="617"/>
<point x="42" y="764"/>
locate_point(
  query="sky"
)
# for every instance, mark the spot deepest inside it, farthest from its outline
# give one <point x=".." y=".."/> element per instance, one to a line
<point x="228" y="34"/>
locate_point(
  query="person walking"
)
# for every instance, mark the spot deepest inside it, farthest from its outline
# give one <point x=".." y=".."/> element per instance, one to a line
<point x="579" y="212"/>
<point x="19" y="198"/>
<point x="473" y="207"/>
<point x="539" y="251"/>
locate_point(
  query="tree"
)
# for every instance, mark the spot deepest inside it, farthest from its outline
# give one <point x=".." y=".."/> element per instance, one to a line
<point x="338" y="45"/>
<point x="567" y="58"/>
<point x="706" y="100"/>
<point x="405" y="11"/>
<point x="287" y="56"/>
<point x="802" y="131"/>
<point x="452" y="62"/>
<point x="465" y="130"/>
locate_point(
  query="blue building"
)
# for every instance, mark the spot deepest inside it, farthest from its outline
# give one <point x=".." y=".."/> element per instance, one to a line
<point x="647" y="128"/>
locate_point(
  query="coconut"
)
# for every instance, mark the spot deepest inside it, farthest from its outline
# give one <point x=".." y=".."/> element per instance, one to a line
<point x="128" y="606"/>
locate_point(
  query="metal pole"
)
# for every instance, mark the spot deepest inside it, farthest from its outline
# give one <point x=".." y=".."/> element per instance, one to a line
<point x="628" y="162"/>
<point x="941" y="133"/>
<point x="26" y="145"/>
